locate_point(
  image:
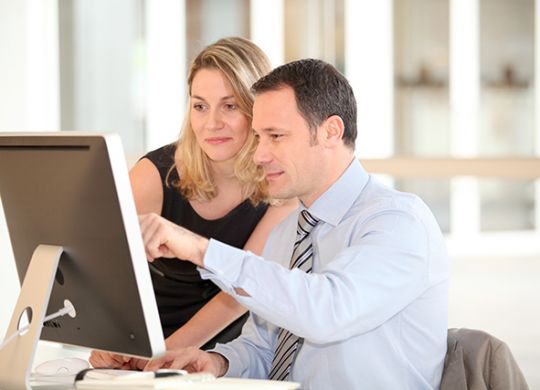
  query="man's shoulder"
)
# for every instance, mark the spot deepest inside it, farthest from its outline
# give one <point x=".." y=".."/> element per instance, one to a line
<point x="379" y="203"/>
<point x="377" y="195"/>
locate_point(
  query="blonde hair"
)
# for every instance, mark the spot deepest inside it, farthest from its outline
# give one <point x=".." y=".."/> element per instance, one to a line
<point x="242" y="63"/>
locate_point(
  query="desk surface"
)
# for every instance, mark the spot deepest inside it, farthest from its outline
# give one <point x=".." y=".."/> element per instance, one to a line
<point x="218" y="384"/>
<point x="49" y="351"/>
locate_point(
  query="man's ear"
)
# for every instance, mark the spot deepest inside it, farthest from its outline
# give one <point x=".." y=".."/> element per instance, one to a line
<point x="333" y="131"/>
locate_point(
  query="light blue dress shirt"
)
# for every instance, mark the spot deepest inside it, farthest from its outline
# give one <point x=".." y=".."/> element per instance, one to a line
<point x="373" y="314"/>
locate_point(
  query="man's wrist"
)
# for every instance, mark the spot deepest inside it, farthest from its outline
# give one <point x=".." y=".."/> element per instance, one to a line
<point x="199" y="250"/>
<point x="221" y="363"/>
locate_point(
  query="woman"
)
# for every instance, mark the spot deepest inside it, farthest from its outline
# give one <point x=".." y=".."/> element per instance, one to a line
<point x="208" y="183"/>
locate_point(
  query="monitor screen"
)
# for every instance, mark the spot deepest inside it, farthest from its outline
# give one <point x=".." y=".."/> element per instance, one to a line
<point x="72" y="190"/>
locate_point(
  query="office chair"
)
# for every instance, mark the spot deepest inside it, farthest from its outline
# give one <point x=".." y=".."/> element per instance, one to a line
<point x="475" y="360"/>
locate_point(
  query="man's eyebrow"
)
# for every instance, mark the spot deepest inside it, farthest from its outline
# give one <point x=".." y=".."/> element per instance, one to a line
<point x="269" y="130"/>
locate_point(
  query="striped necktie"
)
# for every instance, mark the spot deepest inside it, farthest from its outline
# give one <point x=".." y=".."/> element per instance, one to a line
<point x="288" y="344"/>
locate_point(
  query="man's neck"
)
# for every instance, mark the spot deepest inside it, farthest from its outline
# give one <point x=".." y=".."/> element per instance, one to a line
<point x="337" y="167"/>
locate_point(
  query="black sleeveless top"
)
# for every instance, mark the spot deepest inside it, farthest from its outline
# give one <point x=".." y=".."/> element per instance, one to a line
<point x="180" y="291"/>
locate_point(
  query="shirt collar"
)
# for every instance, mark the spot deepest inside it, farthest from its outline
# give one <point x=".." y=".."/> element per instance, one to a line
<point x="333" y="204"/>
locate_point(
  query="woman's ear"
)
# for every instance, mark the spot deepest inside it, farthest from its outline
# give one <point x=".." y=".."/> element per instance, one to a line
<point x="333" y="131"/>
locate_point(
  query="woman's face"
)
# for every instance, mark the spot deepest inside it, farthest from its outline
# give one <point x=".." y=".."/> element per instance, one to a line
<point x="220" y="127"/>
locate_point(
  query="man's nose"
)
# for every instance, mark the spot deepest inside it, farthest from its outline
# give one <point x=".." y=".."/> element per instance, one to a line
<point x="262" y="154"/>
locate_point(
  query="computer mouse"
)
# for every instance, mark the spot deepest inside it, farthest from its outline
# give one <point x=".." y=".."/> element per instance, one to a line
<point x="62" y="367"/>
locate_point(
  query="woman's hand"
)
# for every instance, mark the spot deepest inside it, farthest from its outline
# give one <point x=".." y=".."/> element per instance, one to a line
<point x="99" y="359"/>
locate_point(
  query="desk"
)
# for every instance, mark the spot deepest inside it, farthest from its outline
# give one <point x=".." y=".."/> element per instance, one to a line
<point x="218" y="384"/>
<point x="48" y="351"/>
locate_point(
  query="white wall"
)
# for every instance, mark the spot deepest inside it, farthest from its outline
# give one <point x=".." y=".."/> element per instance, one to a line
<point x="108" y="86"/>
<point x="9" y="282"/>
<point x="165" y="71"/>
<point x="29" y="99"/>
<point x="12" y="64"/>
<point x="12" y="109"/>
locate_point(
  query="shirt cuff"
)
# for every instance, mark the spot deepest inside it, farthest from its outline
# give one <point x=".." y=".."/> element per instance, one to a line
<point x="234" y="369"/>
<point x="223" y="262"/>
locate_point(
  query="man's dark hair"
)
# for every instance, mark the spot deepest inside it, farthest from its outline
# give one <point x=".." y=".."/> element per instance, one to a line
<point x="320" y="91"/>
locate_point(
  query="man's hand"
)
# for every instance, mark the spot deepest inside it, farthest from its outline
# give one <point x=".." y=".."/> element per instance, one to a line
<point x="163" y="238"/>
<point x="191" y="359"/>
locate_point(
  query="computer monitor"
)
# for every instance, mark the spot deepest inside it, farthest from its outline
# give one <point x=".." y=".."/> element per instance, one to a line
<point x="71" y="191"/>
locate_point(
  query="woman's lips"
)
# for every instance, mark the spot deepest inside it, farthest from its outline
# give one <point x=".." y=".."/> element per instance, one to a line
<point x="217" y="140"/>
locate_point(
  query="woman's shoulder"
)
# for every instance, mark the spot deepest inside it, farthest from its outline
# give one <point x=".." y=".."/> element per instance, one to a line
<point x="162" y="157"/>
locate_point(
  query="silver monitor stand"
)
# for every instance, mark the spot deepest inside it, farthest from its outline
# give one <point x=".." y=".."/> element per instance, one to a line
<point x="17" y="357"/>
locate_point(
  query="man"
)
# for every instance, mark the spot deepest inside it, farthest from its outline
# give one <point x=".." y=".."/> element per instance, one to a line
<point x="356" y="296"/>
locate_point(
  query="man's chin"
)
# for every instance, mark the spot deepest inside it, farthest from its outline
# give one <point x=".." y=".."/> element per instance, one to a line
<point x="279" y="193"/>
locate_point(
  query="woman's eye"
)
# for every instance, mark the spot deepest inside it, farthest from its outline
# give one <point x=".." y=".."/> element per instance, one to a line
<point x="230" y="106"/>
<point x="276" y="136"/>
<point x="198" y="107"/>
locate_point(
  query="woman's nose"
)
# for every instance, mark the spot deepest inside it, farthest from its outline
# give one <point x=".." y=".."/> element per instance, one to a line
<point x="214" y="120"/>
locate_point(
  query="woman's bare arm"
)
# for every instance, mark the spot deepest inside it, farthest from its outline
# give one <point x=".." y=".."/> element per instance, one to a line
<point x="146" y="187"/>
